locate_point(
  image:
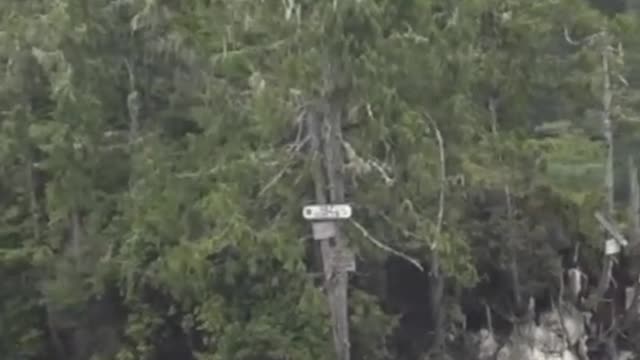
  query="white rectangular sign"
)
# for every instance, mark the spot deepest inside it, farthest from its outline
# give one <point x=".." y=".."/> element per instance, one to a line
<point x="323" y="230"/>
<point x="611" y="247"/>
<point x="327" y="212"/>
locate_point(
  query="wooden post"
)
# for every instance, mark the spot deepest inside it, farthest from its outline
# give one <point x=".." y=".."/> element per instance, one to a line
<point x="325" y="132"/>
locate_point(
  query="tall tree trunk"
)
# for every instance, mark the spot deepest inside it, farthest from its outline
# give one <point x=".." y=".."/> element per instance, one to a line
<point x="513" y="264"/>
<point x="436" y="276"/>
<point x="324" y="140"/>
<point x="512" y="241"/>
<point x="634" y="202"/>
<point x="34" y="209"/>
<point x="631" y="313"/>
<point x="605" y="275"/>
<point x="609" y="207"/>
<point x="608" y="132"/>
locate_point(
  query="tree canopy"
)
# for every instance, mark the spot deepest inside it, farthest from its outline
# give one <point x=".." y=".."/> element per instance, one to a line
<point x="155" y="156"/>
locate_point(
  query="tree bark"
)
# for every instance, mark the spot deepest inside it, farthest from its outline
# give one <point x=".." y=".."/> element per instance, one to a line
<point x="324" y="128"/>
<point x="436" y="276"/>
<point x="334" y="161"/>
<point x="513" y="256"/>
<point x="631" y="313"/>
<point x="34" y="209"/>
<point x="605" y="275"/>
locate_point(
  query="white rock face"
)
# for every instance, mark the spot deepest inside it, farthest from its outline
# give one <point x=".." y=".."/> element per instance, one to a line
<point x="626" y="355"/>
<point x="551" y="340"/>
<point x="487" y="345"/>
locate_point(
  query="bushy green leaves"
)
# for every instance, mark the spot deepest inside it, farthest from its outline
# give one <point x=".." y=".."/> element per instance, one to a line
<point x="195" y="216"/>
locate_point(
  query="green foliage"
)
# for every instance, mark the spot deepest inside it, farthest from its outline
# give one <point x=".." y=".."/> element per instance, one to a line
<point x="183" y="215"/>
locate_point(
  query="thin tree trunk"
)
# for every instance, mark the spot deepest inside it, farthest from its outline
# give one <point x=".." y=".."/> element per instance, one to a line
<point x="631" y="313"/>
<point x="513" y="256"/>
<point x="76" y="235"/>
<point x="437" y="278"/>
<point x="513" y="265"/>
<point x="608" y="133"/>
<point x="56" y="342"/>
<point x="605" y="275"/>
<point x="34" y="210"/>
<point x="634" y="208"/>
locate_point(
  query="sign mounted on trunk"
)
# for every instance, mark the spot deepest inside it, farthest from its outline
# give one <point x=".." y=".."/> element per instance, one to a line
<point x="327" y="212"/>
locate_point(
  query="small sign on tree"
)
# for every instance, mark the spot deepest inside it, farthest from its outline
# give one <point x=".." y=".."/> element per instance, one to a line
<point x="323" y="230"/>
<point x="323" y="220"/>
<point x="327" y="212"/>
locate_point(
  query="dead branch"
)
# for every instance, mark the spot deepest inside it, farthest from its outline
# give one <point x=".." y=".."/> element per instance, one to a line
<point x="361" y="166"/>
<point x="612" y="229"/>
<point x="198" y="174"/>
<point x="561" y="290"/>
<point x="437" y="288"/>
<point x="605" y="276"/>
<point x="634" y="207"/>
<point x="410" y="34"/>
<point x="300" y="122"/>
<point x="589" y="40"/>
<point x="631" y="313"/>
<point x="404" y="232"/>
<point x="249" y="50"/>
<point x="568" y="38"/>
<point x="383" y="173"/>
<point x="293" y="148"/>
<point x="384" y="247"/>
<point x="487" y="312"/>
<point x="443" y="178"/>
<point x="274" y="180"/>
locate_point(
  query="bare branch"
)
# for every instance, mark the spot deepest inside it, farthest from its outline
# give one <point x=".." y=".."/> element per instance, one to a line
<point x="494" y="116"/>
<point x="410" y="34"/>
<point x="247" y="50"/>
<point x="487" y="311"/>
<point x="293" y="148"/>
<point x="443" y="177"/>
<point x="299" y="121"/>
<point x="362" y="166"/>
<point x="607" y="94"/>
<point x="612" y="229"/>
<point x="197" y="174"/>
<point x="622" y="79"/>
<point x="589" y="40"/>
<point x="383" y="173"/>
<point x="634" y="214"/>
<point x="568" y="38"/>
<point x="274" y="180"/>
<point x="634" y="207"/>
<point x="384" y="247"/>
<point x="131" y="74"/>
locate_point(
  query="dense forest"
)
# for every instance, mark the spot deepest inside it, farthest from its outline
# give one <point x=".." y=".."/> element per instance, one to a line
<point x="156" y="155"/>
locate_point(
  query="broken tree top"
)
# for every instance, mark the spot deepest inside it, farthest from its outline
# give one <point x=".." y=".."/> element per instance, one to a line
<point x="327" y="212"/>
